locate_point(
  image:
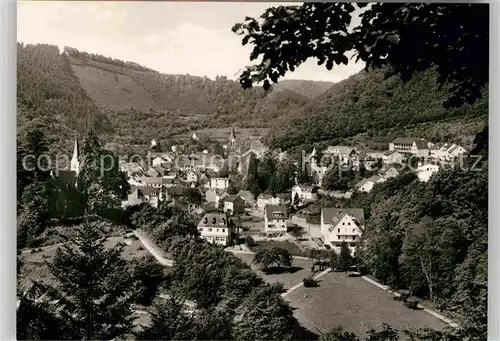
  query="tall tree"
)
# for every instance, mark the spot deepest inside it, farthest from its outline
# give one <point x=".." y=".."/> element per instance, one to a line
<point x="266" y="170"/>
<point x="345" y="257"/>
<point x="93" y="285"/>
<point x="252" y="178"/>
<point x="101" y="181"/>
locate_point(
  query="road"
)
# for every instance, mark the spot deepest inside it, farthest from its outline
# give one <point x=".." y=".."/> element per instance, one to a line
<point x="152" y="248"/>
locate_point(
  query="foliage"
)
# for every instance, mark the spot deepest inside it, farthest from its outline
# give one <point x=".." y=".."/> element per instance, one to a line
<point x="408" y="37"/>
<point x="338" y="334"/>
<point x="309" y="282"/>
<point x="345" y="257"/>
<point x="249" y="241"/>
<point x="93" y="286"/>
<point x="147" y="275"/>
<point x="277" y="256"/>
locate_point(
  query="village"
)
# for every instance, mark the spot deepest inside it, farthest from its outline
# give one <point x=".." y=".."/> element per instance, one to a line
<point x="198" y="183"/>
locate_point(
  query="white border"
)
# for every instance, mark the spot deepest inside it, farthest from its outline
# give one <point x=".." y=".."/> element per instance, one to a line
<point x="8" y="10"/>
<point x="493" y="182"/>
<point x="8" y="258"/>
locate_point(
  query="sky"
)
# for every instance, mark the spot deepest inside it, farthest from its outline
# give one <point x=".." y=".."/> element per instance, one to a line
<point x="172" y="37"/>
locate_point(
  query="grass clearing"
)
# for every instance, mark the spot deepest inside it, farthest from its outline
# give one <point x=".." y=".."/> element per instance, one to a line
<point x="355" y="304"/>
<point x="293" y="248"/>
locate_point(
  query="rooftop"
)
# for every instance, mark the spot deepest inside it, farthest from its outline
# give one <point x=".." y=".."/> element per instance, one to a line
<point x="330" y="214"/>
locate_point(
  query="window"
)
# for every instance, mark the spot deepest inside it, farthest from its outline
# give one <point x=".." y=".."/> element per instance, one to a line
<point x="224" y="230"/>
<point x="200" y="229"/>
<point x="353" y="230"/>
<point x="210" y="230"/>
<point x="343" y="223"/>
<point x="217" y="230"/>
<point x="338" y="237"/>
<point x="339" y="231"/>
<point x="353" y="237"/>
<point x="349" y="223"/>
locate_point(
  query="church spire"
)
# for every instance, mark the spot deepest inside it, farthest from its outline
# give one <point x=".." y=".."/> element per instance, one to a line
<point x="75" y="163"/>
<point x="232" y="138"/>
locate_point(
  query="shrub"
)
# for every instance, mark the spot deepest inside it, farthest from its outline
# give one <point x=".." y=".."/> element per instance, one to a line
<point x="309" y="282"/>
<point x="249" y="241"/>
<point x="411" y="304"/>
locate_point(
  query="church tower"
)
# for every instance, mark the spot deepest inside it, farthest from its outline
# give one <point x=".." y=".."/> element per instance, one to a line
<point x="75" y="163"/>
<point x="232" y="138"/>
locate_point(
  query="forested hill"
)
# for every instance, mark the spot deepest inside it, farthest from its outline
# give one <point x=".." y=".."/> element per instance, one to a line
<point x="369" y="104"/>
<point x="126" y="103"/>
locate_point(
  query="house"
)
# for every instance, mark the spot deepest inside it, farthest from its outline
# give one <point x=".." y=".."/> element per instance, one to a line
<point x="234" y="204"/>
<point x="447" y="151"/>
<point x="142" y="194"/>
<point x="305" y="193"/>
<point x="411" y="145"/>
<point x="215" y="195"/>
<point x="393" y="157"/>
<point x="216" y="228"/>
<point x="343" y="152"/>
<point x="167" y="182"/>
<point x="366" y="185"/>
<point x="390" y="173"/>
<point x="247" y="196"/>
<point x="425" y="172"/>
<point x="192" y="176"/>
<point x="219" y="183"/>
<point x="275" y="220"/>
<point x="149" y="181"/>
<point x="266" y="199"/>
<point x="342" y="225"/>
<point x="152" y="173"/>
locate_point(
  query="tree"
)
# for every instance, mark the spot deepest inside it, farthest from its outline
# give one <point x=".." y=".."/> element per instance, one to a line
<point x="264" y="315"/>
<point x="338" y="334"/>
<point x="101" y="181"/>
<point x="386" y="334"/>
<point x="296" y="199"/>
<point x="93" y="285"/>
<point x="252" y="178"/>
<point x="266" y="170"/>
<point x="170" y="321"/>
<point x="147" y="274"/>
<point x="193" y="195"/>
<point x="334" y="261"/>
<point x="345" y="258"/>
<point x="407" y="37"/>
<point x="264" y="258"/>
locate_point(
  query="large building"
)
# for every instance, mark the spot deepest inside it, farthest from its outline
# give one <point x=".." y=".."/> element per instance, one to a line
<point x="342" y="225"/>
<point x="216" y="228"/>
<point x="411" y="145"/>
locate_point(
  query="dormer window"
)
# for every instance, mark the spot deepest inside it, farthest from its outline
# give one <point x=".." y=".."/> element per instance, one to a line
<point x="205" y="221"/>
<point x="214" y="220"/>
<point x="223" y="221"/>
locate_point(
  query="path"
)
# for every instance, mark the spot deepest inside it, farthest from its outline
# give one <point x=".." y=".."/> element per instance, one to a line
<point x="153" y="248"/>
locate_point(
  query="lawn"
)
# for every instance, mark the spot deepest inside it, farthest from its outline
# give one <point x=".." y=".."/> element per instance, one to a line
<point x="293" y="248"/>
<point x="355" y="304"/>
<point x="34" y="263"/>
<point x="301" y="269"/>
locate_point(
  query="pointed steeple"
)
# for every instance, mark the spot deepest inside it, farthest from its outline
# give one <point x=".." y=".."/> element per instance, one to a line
<point x="232" y="138"/>
<point x="75" y="163"/>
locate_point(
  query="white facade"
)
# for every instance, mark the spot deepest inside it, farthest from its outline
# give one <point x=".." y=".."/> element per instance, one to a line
<point x="305" y="193"/>
<point x="264" y="200"/>
<point x="214" y="229"/>
<point x="275" y="220"/>
<point x="219" y="183"/>
<point x="75" y="163"/>
<point x="346" y="229"/>
<point x="394" y="157"/>
<point x="425" y="172"/>
<point x="192" y="176"/>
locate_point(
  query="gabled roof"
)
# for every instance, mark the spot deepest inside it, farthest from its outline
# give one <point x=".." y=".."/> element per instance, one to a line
<point x="342" y="150"/>
<point x="361" y="183"/>
<point x="150" y="180"/>
<point x="374" y="178"/>
<point x="265" y="196"/>
<point x="330" y="214"/>
<point x="272" y="210"/>
<point x="213" y="220"/>
<point x="244" y="193"/>
<point x="233" y="198"/>
<point x="421" y="143"/>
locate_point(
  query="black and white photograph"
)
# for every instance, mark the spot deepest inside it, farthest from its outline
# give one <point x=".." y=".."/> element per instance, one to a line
<point x="252" y="171"/>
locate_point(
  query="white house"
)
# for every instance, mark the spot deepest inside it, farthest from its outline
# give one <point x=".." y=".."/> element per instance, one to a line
<point x="393" y="157"/>
<point x="366" y="185"/>
<point x="267" y="199"/>
<point x="411" y="145"/>
<point x="390" y="173"/>
<point x="219" y="183"/>
<point x="215" y="195"/>
<point x="425" y="172"/>
<point x="305" y="193"/>
<point x="216" y="228"/>
<point x="192" y="176"/>
<point x="448" y="151"/>
<point x="342" y="225"/>
<point x="275" y="220"/>
<point x="344" y="153"/>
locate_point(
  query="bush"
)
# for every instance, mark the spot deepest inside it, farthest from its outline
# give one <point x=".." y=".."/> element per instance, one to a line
<point x="411" y="304"/>
<point x="249" y="241"/>
<point x="310" y="282"/>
